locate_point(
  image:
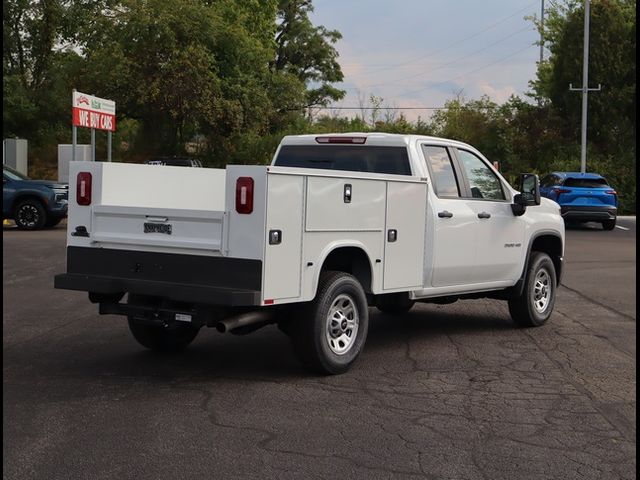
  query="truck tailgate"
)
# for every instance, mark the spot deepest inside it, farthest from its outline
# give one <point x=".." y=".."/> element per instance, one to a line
<point x="148" y="207"/>
<point x="158" y="227"/>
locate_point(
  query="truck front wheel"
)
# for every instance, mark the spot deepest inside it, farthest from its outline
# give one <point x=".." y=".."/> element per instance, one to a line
<point x="330" y="332"/>
<point x="173" y="338"/>
<point x="534" y="305"/>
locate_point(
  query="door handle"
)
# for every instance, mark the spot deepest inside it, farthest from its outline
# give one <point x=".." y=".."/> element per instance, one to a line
<point x="348" y="189"/>
<point x="445" y="214"/>
<point x="484" y="215"/>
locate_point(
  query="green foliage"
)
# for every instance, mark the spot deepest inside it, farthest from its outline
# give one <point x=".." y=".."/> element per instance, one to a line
<point x="307" y="52"/>
<point x="215" y="70"/>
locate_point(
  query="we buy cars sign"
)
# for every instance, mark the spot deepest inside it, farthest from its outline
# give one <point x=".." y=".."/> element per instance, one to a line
<point x="93" y="112"/>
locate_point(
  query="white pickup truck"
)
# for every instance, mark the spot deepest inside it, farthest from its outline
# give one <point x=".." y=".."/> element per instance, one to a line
<point x="336" y="223"/>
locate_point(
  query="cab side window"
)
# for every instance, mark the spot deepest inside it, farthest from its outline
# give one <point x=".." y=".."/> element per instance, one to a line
<point x="444" y="179"/>
<point x="484" y="184"/>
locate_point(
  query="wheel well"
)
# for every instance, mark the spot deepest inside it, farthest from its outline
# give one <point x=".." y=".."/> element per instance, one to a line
<point x="352" y="260"/>
<point x="552" y="246"/>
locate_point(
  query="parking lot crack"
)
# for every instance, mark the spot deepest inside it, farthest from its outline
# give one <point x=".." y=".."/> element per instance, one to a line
<point x="597" y="405"/>
<point x="600" y="304"/>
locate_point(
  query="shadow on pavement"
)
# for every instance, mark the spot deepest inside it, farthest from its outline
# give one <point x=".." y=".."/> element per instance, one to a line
<point x="263" y="356"/>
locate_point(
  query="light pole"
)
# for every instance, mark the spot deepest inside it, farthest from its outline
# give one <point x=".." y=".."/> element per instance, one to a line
<point x="585" y="88"/>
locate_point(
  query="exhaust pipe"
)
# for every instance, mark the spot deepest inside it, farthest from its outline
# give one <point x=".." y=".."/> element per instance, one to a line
<point x="245" y="322"/>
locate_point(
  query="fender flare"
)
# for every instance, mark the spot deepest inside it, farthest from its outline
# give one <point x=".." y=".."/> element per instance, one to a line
<point x="519" y="286"/>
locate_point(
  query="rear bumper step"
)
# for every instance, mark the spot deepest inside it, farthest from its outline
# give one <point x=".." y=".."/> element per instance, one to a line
<point x="200" y="279"/>
<point x="174" y="291"/>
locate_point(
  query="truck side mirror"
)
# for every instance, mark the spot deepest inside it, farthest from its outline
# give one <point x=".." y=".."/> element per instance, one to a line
<point x="529" y="195"/>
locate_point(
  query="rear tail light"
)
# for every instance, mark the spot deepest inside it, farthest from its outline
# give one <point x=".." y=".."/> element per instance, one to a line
<point x="83" y="188"/>
<point x="244" y="195"/>
<point x="611" y="192"/>
<point x="559" y="191"/>
<point x="354" y="140"/>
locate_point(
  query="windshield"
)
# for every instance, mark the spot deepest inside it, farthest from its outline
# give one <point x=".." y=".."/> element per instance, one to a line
<point x="12" y="174"/>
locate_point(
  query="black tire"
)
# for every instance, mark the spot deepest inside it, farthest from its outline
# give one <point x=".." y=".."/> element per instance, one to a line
<point x="534" y="306"/>
<point x="609" y="224"/>
<point x="30" y="215"/>
<point x="52" y="222"/>
<point x="313" y="331"/>
<point x="394" y="303"/>
<point x="174" y="338"/>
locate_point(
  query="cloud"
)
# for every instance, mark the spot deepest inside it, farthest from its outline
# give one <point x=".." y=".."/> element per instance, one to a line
<point x="497" y="94"/>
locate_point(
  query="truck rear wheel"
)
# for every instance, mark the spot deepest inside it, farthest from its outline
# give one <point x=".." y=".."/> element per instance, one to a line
<point x="330" y="333"/>
<point x="173" y="338"/>
<point x="533" y="307"/>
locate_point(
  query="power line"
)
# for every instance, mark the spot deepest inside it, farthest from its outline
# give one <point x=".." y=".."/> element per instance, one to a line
<point x="458" y="42"/>
<point x="486" y="107"/>
<point x="528" y="28"/>
<point x="467" y="73"/>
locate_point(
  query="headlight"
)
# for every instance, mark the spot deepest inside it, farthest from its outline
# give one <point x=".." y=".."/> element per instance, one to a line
<point x="61" y="195"/>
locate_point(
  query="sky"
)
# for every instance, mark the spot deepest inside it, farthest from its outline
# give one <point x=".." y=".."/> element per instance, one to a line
<point x="420" y="53"/>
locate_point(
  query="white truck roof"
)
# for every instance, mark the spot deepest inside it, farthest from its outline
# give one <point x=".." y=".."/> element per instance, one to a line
<point x="373" y="138"/>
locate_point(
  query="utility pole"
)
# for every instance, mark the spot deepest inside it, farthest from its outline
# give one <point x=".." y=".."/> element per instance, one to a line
<point x="542" y="32"/>
<point x="585" y="88"/>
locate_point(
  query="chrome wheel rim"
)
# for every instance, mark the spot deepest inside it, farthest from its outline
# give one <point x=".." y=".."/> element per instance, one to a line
<point x="542" y="290"/>
<point x="342" y="324"/>
<point x="28" y="216"/>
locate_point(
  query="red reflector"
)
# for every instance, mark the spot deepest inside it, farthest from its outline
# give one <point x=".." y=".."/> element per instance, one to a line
<point x="561" y="190"/>
<point x="83" y="188"/>
<point x="356" y="140"/>
<point x="611" y="192"/>
<point x="268" y="302"/>
<point x="244" y="195"/>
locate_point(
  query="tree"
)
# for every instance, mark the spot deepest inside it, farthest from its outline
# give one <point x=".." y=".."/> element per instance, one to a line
<point x="611" y="63"/>
<point x="307" y="52"/>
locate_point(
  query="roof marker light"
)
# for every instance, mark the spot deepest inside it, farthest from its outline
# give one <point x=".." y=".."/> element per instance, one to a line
<point x="351" y="140"/>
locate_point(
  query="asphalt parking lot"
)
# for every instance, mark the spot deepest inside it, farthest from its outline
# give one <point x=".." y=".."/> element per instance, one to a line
<point x="446" y="392"/>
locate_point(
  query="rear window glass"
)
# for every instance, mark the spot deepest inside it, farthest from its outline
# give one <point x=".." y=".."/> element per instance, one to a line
<point x="585" y="182"/>
<point x="351" y="158"/>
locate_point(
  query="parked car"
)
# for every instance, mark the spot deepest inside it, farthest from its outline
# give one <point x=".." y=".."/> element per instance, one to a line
<point x="175" y="161"/>
<point x="583" y="197"/>
<point x="336" y="223"/>
<point x="32" y="204"/>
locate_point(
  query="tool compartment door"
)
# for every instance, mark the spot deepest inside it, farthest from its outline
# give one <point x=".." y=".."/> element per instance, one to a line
<point x="283" y="242"/>
<point x="404" y="235"/>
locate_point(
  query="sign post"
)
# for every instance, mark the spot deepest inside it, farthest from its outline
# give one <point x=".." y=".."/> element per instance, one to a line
<point x="94" y="113"/>
<point x="74" y="133"/>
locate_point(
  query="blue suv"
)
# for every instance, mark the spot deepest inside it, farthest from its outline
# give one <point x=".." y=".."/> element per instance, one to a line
<point x="32" y="204"/>
<point x="583" y="197"/>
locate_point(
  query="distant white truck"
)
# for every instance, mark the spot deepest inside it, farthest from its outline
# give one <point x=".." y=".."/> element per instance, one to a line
<point x="336" y="223"/>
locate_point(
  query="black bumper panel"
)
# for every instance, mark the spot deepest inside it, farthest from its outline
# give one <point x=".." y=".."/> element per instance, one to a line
<point x="183" y="278"/>
<point x="586" y="214"/>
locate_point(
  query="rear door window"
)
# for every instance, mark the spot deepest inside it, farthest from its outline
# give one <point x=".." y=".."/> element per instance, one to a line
<point x="351" y="158"/>
<point x="445" y="183"/>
